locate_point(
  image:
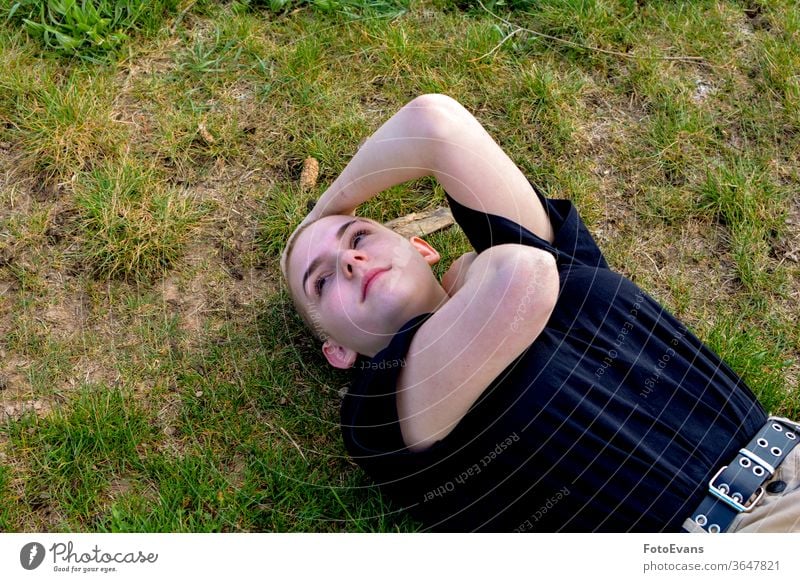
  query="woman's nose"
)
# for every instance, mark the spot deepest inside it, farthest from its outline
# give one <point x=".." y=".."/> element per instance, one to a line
<point x="352" y="259"/>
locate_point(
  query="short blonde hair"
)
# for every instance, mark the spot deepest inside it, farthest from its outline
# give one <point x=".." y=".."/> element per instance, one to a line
<point x="304" y="315"/>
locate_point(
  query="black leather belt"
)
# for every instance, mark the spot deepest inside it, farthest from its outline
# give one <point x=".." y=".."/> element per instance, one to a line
<point x="738" y="487"/>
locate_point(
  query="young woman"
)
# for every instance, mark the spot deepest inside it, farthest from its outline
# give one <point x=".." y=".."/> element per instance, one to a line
<point x="533" y="388"/>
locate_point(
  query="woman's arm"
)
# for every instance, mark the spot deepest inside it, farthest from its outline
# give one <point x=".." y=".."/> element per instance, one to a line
<point x="434" y="135"/>
<point x="456" y="275"/>
<point x="508" y="295"/>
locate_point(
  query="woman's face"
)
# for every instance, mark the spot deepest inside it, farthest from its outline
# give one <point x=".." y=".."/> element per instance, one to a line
<point x="359" y="282"/>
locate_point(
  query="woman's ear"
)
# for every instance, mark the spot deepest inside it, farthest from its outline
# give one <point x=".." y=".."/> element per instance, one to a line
<point x="430" y="254"/>
<point x="339" y="356"/>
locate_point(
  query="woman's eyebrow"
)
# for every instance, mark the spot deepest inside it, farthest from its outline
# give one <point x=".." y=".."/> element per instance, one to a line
<point x="315" y="263"/>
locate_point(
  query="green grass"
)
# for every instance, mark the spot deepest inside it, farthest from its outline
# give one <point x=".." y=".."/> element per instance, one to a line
<point x="149" y="178"/>
<point x="130" y="224"/>
<point x="90" y="30"/>
<point x="742" y="198"/>
<point x="63" y="124"/>
<point x="75" y="455"/>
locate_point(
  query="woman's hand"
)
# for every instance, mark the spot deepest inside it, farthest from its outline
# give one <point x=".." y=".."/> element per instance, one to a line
<point x="329" y="203"/>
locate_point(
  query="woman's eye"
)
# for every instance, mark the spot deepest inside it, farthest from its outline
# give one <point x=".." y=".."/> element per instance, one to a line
<point x="357" y="236"/>
<point x="319" y="285"/>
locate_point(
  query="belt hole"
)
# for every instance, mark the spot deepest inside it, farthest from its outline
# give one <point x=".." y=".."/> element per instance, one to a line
<point x="762" y="443"/>
<point x="701" y="520"/>
<point x="723" y="488"/>
<point x="758" y="471"/>
<point x="713" y="528"/>
<point x="737" y="497"/>
<point x="776" y="451"/>
<point x="744" y="462"/>
<point x="777" y="427"/>
<point x="790" y="435"/>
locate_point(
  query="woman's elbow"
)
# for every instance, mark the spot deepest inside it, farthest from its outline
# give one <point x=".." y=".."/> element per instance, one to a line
<point x="436" y="116"/>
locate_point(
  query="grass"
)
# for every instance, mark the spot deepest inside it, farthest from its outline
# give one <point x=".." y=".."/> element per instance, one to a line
<point x="89" y="30"/>
<point x="130" y="225"/>
<point x="742" y="198"/>
<point x="65" y="124"/>
<point x="155" y="376"/>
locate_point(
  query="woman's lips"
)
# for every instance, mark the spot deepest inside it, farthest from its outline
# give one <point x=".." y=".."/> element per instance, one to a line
<point x="371" y="275"/>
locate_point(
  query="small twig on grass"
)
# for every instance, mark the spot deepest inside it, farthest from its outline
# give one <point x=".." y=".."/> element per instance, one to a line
<point x="518" y="28"/>
<point x="283" y="430"/>
<point x="422" y="223"/>
<point x="180" y="16"/>
<point x="496" y="48"/>
<point x="299" y="450"/>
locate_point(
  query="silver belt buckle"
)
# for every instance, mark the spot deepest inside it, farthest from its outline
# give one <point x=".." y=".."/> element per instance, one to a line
<point x="721" y="493"/>
<point x="794" y="425"/>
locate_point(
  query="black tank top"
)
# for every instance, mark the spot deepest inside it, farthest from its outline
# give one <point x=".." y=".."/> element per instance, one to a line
<point x="614" y="419"/>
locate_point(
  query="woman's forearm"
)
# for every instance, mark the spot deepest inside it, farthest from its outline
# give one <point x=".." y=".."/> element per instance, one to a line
<point x="435" y="136"/>
<point x="402" y="149"/>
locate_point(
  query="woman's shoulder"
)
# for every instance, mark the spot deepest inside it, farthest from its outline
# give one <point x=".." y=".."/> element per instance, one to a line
<point x="572" y="241"/>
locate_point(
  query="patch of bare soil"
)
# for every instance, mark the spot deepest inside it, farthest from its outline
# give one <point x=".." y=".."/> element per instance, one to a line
<point x="15" y="200"/>
<point x="221" y="275"/>
<point x="88" y="369"/>
<point x="16" y="410"/>
<point x="66" y="314"/>
<point x="126" y="108"/>
<point x="119" y="487"/>
<point x="788" y="253"/>
<point x="788" y="249"/>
